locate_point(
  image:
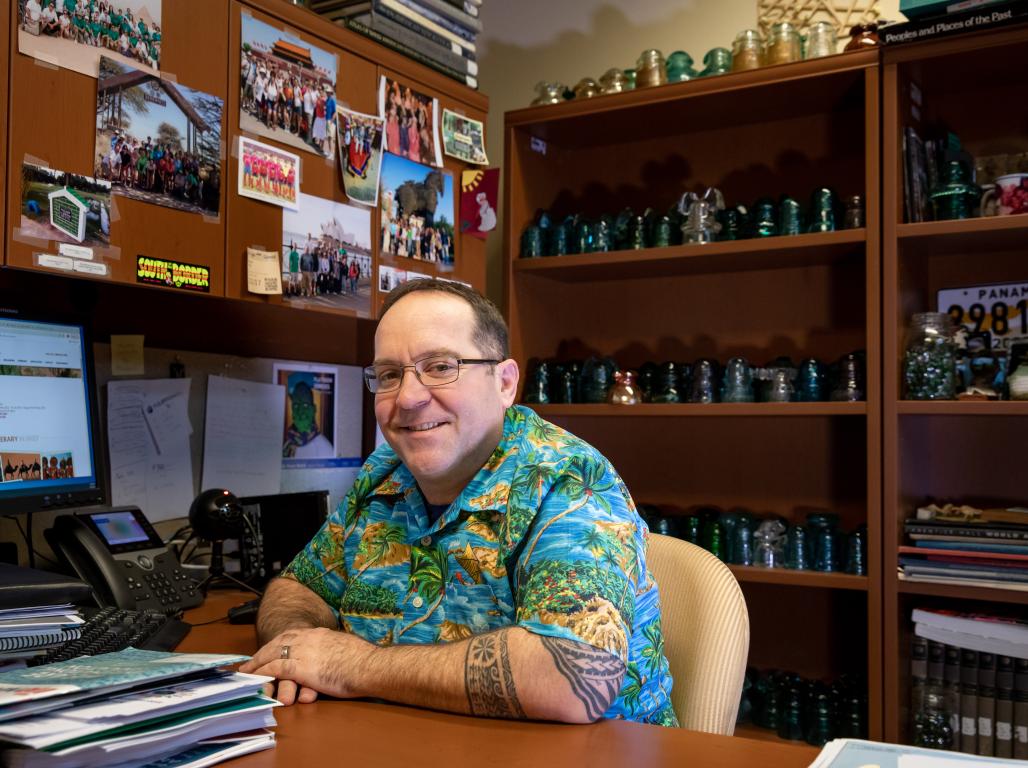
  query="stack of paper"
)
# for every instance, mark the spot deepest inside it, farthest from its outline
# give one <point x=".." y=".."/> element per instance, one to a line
<point x="26" y="632"/>
<point x="854" y="753"/>
<point x="133" y="707"/>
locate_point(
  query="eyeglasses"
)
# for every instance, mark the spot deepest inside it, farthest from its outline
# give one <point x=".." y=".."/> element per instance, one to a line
<point x="431" y="372"/>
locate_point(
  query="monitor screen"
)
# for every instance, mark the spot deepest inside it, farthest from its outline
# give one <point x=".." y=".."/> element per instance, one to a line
<point x="48" y="453"/>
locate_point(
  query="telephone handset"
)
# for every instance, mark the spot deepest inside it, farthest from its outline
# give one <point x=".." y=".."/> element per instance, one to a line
<point x="118" y="552"/>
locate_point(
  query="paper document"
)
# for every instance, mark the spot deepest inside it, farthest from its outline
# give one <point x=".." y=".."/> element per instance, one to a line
<point x="242" y="441"/>
<point x="263" y="271"/>
<point x="148" y="442"/>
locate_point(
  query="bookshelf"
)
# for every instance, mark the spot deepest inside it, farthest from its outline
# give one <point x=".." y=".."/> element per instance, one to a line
<point x="778" y="130"/>
<point x="951" y="450"/>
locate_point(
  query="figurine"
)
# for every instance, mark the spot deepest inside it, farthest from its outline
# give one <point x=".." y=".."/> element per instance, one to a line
<point x="701" y="224"/>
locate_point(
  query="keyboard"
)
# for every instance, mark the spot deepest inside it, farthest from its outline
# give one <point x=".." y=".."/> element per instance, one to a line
<point x="112" y="629"/>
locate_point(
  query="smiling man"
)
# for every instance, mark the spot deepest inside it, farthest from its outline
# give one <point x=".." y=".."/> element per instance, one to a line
<point x="485" y="561"/>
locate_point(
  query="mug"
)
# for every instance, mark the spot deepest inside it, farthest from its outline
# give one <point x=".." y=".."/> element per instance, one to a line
<point x="1010" y="194"/>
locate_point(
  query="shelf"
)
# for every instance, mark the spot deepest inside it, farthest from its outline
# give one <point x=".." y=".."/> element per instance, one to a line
<point x="962" y="408"/>
<point x="751" y="731"/>
<point x="941" y="238"/>
<point x="671" y="410"/>
<point x="784" y="576"/>
<point x="724" y="257"/>
<point x="963" y="592"/>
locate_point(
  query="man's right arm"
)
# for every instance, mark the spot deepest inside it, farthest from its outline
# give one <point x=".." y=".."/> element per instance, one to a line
<point x="288" y="604"/>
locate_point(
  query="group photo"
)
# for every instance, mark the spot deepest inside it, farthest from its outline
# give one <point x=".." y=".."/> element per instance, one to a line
<point x="158" y="141"/>
<point x="287" y="89"/>
<point x="417" y="211"/>
<point x="326" y="255"/>
<point x="76" y="32"/>
<point x="411" y="122"/>
<point x="360" y="154"/>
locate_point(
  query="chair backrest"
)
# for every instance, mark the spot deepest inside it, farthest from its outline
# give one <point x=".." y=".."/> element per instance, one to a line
<point x="706" y="632"/>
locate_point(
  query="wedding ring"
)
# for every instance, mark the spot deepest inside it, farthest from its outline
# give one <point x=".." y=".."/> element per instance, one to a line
<point x="284" y="653"/>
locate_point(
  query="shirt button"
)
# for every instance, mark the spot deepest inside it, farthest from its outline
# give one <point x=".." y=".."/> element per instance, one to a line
<point x="426" y="540"/>
<point x="417" y="602"/>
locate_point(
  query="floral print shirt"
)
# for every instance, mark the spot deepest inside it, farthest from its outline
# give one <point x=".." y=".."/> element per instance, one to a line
<point x="545" y="537"/>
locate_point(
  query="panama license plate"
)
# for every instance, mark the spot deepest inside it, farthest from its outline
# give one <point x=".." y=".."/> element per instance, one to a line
<point x="1000" y="309"/>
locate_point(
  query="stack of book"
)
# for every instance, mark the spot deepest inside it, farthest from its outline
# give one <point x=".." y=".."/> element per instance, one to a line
<point x="132" y="707"/>
<point x="440" y="34"/>
<point x="930" y="19"/>
<point x="988" y="549"/>
<point x="32" y="630"/>
<point x="978" y="665"/>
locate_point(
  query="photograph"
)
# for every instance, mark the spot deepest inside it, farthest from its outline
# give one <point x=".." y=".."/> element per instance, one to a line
<point x="417" y="211"/>
<point x="287" y="89"/>
<point x="326" y="255"/>
<point x="75" y="33"/>
<point x="57" y="464"/>
<point x="268" y="173"/>
<point x="65" y="207"/>
<point x="360" y="154"/>
<point x="310" y="418"/>
<point x="26" y="466"/>
<point x="464" y="138"/>
<point x="156" y="140"/>
<point x="411" y="122"/>
<point x="390" y="277"/>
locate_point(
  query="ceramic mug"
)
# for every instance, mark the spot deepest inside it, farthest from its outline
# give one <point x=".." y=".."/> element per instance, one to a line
<point x="1008" y="196"/>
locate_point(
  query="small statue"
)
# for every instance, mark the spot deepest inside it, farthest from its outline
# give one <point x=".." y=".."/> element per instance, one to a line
<point x="701" y="224"/>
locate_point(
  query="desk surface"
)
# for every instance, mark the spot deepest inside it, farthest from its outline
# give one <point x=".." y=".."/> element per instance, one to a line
<point x="317" y="734"/>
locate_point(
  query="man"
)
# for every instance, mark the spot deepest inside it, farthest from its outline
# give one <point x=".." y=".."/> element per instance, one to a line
<point x="485" y="561"/>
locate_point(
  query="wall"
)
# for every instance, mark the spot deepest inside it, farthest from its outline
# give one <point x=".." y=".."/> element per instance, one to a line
<point x="531" y="40"/>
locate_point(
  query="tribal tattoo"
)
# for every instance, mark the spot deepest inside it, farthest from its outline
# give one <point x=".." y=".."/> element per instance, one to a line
<point x="595" y="675"/>
<point x="488" y="679"/>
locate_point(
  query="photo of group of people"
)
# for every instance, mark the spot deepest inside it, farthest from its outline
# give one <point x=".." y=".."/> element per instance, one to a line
<point x="35" y="466"/>
<point x="464" y="138"/>
<point x="268" y="173"/>
<point x="74" y="33"/>
<point x="287" y="89"/>
<point x="360" y="154"/>
<point x="417" y="211"/>
<point x="64" y="207"/>
<point x="411" y="122"/>
<point x="326" y="255"/>
<point x="158" y="141"/>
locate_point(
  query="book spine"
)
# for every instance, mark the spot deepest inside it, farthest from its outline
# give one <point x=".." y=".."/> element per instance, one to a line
<point x="404" y="21"/>
<point x="1021" y="709"/>
<point x="933" y="27"/>
<point x="986" y="704"/>
<point x="378" y="37"/>
<point x="968" y="701"/>
<point x="951" y="673"/>
<point x="446" y="16"/>
<point x="402" y="35"/>
<point x="967" y="532"/>
<point x="1004" y="707"/>
<point x="469" y="7"/>
<point x="397" y="11"/>
<point x="22" y="642"/>
<point x="918" y="675"/>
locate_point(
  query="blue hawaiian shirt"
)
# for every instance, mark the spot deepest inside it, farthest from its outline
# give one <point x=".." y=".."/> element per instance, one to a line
<point x="545" y="537"/>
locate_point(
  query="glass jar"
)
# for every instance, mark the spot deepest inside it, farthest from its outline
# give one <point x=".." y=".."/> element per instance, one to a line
<point x="853" y="218"/>
<point x="649" y="69"/>
<point x="613" y="81"/>
<point x="679" y="67"/>
<point x="930" y="358"/>
<point x="548" y="93"/>
<point x="747" y="50"/>
<point x="783" y="44"/>
<point x="822" y="40"/>
<point x="586" y="88"/>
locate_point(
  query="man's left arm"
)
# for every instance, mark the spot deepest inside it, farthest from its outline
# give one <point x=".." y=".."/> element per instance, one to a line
<point x="509" y="673"/>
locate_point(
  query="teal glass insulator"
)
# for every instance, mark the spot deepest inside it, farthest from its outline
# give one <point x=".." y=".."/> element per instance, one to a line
<point x="790" y="723"/>
<point x="537" y="387"/>
<point x="737" y="382"/>
<point x="717" y="61"/>
<point x="765" y="220"/>
<point x="557" y="244"/>
<point x="730" y="227"/>
<point x="665" y="384"/>
<point x="629" y="79"/>
<point x="602" y="234"/>
<point x="679" y="67"/>
<point x="790" y="217"/>
<point x="954" y="197"/>
<point x="661" y="232"/>
<point x="856" y="551"/>
<point x="691" y="529"/>
<point x="636" y="234"/>
<point x="584" y="236"/>
<point x="797" y="549"/>
<point x="819" y="722"/>
<point x="531" y="242"/>
<point x="713" y="537"/>
<point x="811" y="382"/>
<point x="822" y="211"/>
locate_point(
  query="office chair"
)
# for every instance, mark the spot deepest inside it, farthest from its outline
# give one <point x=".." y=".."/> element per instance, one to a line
<point x="706" y="633"/>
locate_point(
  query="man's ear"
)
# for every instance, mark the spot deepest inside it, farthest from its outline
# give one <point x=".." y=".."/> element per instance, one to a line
<point x="508" y="375"/>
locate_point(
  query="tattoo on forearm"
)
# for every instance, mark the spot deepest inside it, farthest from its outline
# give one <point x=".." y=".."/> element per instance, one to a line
<point x="488" y="679"/>
<point x="595" y="675"/>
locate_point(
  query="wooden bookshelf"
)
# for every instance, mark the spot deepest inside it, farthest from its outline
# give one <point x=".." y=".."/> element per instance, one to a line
<point x="944" y="450"/>
<point x="779" y="130"/>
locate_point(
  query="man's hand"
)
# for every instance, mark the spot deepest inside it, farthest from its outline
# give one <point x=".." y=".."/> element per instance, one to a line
<point x="319" y="661"/>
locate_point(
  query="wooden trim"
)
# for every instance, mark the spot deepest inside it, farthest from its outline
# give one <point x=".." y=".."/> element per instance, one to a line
<point x="962" y="408"/>
<point x="815" y="579"/>
<point x="962" y="592"/>
<point x="718" y="410"/>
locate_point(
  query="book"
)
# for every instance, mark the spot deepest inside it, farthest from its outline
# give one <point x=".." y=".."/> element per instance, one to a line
<point x="963" y="582"/>
<point x="40" y="639"/>
<point x="986" y="704"/>
<point x="853" y="753"/>
<point x="972" y="546"/>
<point x="388" y="42"/>
<point x="965" y="531"/>
<point x="1014" y="629"/>
<point x="916" y="175"/>
<point x="954" y="570"/>
<point x="960" y="554"/>
<point x="25" y="587"/>
<point x="975" y="19"/>
<point x="962" y="564"/>
<point x="971" y="642"/>
<point x="463" y="63"/>
<point x="401" y="14"/>
<point x="458" y="22"/>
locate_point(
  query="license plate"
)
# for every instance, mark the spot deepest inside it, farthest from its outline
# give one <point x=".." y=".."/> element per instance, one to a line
<point x="1000" y="309"/>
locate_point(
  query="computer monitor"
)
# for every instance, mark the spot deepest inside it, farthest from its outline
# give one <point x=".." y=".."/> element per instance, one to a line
<point x="49" y="440"/>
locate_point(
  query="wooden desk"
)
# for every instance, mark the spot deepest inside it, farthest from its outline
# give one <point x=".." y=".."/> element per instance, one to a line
<point x="348" y="732"/>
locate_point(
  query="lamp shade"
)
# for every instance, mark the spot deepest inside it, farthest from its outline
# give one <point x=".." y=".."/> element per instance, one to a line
<point x="216" y="514"/>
